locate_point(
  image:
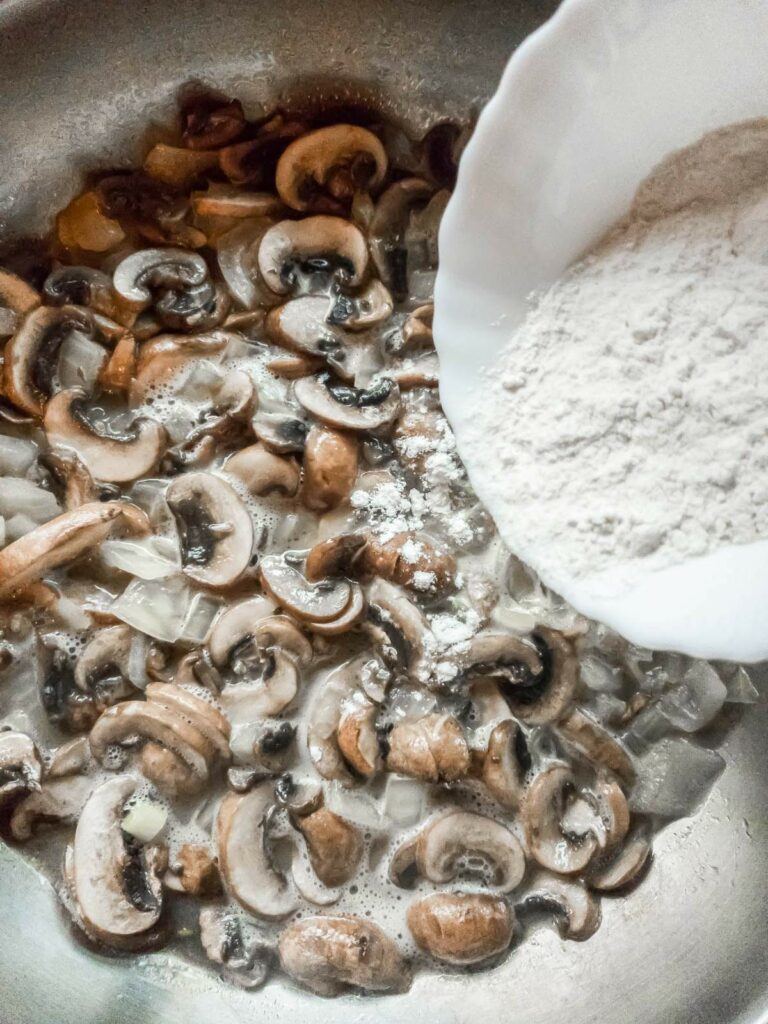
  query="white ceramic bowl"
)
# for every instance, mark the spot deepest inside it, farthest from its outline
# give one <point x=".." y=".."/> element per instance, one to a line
<point x="585" y="110"/>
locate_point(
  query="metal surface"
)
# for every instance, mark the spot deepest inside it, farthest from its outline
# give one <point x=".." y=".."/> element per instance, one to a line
<point x="78" y="80"/>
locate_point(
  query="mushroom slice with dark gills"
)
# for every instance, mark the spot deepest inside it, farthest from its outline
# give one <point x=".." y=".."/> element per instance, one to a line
<point x="576" y="908"/>
<point x="31" y="356"/>
<point x="114" y="886"/>
<point x="83" y="286"/>
<point x="398" y="628"/>
<point x="335" y="846"/>
<point x="347" y="407"/>
<point x="319" y="602"/>
<point x="323" y="169"/>
<point x="264" y="655"/>
<point x="301" y="326"/>
<point x="325" y="248"/>
<point x="566" y="827"/>
<point x="103" y="668"/>
<point x="215" y="528"/>
<point x="371" y="307"/>
<point x="461" y="928"/>
<point x="388" y="228"/>
<point x="330" y="954"/>
<point x="209" y="120"/>
<point x="58" y="542"/>
<point x="432" y="748"/>
<point x="619" y="870"/>
<point x="505" y="764"/>
<point x="538" y="679"/>
<point x="57" y="802"/>
<point x="594" y="741"/>
<point x="113" y="456"/>
<point x="463" y="841"/>
<point x="20" y="767"/>
<point x="183" y="737"/>
<point x="245" y="859"/>
<point x="228" y="939"/>
<point x="17" y="298"/>
<point x="176" y="283"/>
<point x="334" y="695"/>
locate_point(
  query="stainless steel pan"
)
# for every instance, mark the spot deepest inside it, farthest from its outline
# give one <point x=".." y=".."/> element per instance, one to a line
<point x="78" y="80"/>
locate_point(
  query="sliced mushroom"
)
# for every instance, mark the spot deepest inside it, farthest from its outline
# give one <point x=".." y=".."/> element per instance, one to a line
<point x="432" y="748"/>
<point x="503" y="773"/>
<point x="301" y="326"/>
<point x="333" y="557"/>
<point x="351" y="617"/>
<point x="244" y="860"/>
<point x="403" y="869"/>
<point x="58" y="801"/>
<point x="31" y="356"/>
<point x="313" y="602"/>
<point x="335" y="847"/>
<point x="388" y="227"/>
<point x="538" y="680"/>
<point x="357" y="738"/>
<point x="113" y="457"/>
<point x="83" y="224"/>
<point x="118" y="371"/>
<point x="461" y="928"/>
<point x="17" y="298"/>
<point x="323" y="169"/>
<point x="595" y="742"/>
<point x="330" y="468"/>
<point x="266" y="695"/>
<point x="398" y="627"/>
<point x="417" y="330"/>
<point x="622" y="869"/>
<point x="453" y="842"/>
<point x="70" y="758"/>
<point x="215" y="528"/>
<point x="178" y="757"/>
<point x="349" y="408"/>
<point x="82" y="286"/>
<point x="209" y="120"/>
<point x="20" y="768"/>
<point x="330" y="954"/>
<point x="199" y="713"/>
<point x="72" y="476"/>
<point x="237" y="945"/>
<point x="329" y="246"/>
<point x="543" y="812"/>
<point x="179" y="167"/>
<point x="226" y="201"/>
<point x="361" y="312"/>
<point x="262" y="472"/>
<point x="113" y="882"/>
<point x="235" y="626"/>
<point x="165" y="354"/>
<point x="325" y="716"/>
<point x="413" y="562"/>
<point x="577" y="910"/>
<point x="57" y="542"/>
<point x="195" y="872"/>
<point x="103" y="667"/>
<point x="176" y="283"/>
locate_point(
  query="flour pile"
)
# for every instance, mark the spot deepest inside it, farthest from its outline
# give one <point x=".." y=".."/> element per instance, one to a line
<point x="630" y="410"/>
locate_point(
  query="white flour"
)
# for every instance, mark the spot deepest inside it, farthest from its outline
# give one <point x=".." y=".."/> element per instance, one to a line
<point x="630" y="410"/>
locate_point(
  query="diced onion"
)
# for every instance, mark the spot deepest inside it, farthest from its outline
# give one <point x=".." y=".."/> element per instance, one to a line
<point x="16" y="455"/>
<point x="149" y="559"/>
<point x="22" y="497"/>
<point x="145" y="820"/>
<point x="157" y="608"/>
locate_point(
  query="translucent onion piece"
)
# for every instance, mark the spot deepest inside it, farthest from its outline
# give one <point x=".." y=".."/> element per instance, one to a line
<point x="155" y="607"/>
<point x="673" y="778"/>
<point x="22" y="497"/>
<point x="80" y="360"/>
<point x="16" y="455"/>
<point x="18" y="525"/>
<point x="203" y="609"/>
<point x="696" y="699"/>
<point x="403" y="801"/>
<point x="353" y="806"/>
<point x="151" y="558"/>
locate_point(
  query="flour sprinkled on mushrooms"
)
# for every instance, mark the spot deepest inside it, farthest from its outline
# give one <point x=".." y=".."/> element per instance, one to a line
<point x="271" y="690"/>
